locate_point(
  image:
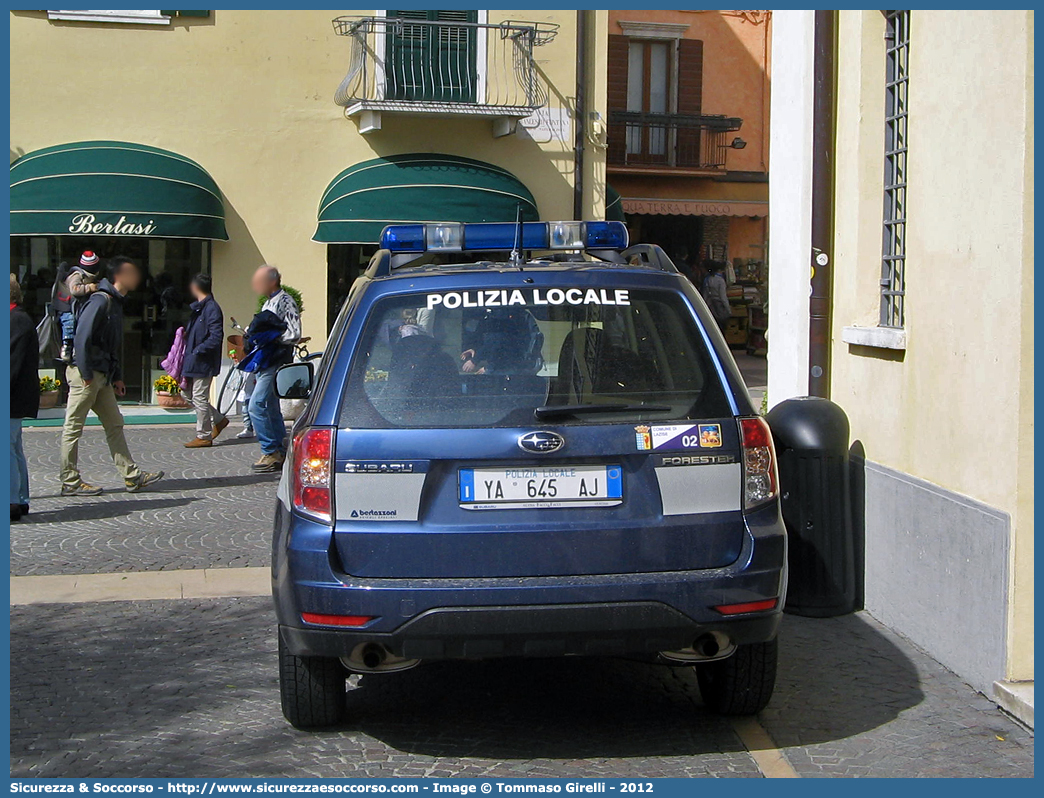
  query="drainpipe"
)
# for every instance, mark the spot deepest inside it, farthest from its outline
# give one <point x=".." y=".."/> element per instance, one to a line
<point x="823" y="159"/>
<point x="581" y="114"/>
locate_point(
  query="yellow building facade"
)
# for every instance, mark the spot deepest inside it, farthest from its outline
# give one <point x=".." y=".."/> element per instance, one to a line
<point x="933" y="360"/>
<point x="249" y="97"/>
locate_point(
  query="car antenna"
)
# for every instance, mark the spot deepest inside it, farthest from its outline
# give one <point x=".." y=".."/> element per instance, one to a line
<point x="516" y="251"/>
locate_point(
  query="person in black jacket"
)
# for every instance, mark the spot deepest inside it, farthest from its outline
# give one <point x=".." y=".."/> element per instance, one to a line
<point x="96" y="379"/>
<point x="25" y="395"/>
<point x="204" y="341"/>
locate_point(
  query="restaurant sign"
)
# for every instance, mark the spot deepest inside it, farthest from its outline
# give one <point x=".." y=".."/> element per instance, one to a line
<point x="89" y="224"/>
<point x="678" y="207"/>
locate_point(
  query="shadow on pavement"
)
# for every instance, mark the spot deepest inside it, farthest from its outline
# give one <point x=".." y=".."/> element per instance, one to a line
<point x="539" y="709"/>
<point x="101" y="508"/>
<point x="234" y="441"/>
<point x="214" y="705"/>
<point x="838" y="677"/>
<point x="206" y="483"/>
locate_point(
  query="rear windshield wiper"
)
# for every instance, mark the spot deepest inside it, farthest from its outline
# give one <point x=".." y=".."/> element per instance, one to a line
<point x="552" y="411"/>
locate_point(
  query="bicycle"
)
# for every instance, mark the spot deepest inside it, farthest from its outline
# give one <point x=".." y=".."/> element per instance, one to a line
<point x="232" y="385"/>
<point x="235" y="379"/>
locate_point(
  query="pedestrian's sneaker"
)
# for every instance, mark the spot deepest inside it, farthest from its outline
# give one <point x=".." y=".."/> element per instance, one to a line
<point x="269" y="462"/>
<point x="142" y="481"/>
<point x="83" y="489"/>
<point x="66" y="353"/>
<point x="219" y="427"/>
<point x="198" y="443"/>
<point x="246" y="432"/>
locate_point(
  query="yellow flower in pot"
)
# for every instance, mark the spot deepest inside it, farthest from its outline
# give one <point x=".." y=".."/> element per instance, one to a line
<point x="168" y="393"/>
<point x="49" y="392"/>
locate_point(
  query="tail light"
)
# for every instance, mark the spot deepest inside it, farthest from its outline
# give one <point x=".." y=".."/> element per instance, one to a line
<point x="748" y="606"/>
<point x="312" y="475"/>
<point x="335" y="620"/>
<point x="760" y="478"/>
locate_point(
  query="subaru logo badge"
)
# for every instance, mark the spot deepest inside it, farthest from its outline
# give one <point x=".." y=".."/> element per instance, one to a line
<point x="541" y="442"/>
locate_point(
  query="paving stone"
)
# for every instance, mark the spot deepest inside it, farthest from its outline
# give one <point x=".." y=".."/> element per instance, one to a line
<point x="210" y="511"/>
<point x="854" y="698"/>
<point x="189" y="688"/>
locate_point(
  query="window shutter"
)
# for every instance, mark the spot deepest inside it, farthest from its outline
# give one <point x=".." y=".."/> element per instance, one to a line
<point x="617" y="73"/>
<point x="616" y="99"/>
<point x="456" y="16"/>
<point x="690" y="98"/>
<point x="690" y="77"/>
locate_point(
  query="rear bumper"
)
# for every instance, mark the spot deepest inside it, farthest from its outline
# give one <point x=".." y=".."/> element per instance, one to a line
<point x="534" y="631"/>
<point x="475" y="618"/>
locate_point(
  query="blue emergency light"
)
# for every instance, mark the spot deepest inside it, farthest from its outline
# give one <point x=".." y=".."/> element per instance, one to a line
<point x="503" y="236"/>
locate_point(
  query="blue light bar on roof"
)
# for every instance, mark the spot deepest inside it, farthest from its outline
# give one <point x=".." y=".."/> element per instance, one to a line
<point x="502" y="236"/>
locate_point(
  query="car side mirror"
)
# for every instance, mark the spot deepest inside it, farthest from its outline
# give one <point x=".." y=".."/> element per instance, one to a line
<point x="294" y="381"/>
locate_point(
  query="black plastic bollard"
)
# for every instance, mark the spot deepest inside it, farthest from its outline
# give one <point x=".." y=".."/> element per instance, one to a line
<point x="811" y="437"/>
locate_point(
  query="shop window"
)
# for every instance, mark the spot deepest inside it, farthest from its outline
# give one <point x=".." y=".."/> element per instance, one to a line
<point x="344" y="264"/>
<point x="893" y="250"/>
<point x="151" y="314"/>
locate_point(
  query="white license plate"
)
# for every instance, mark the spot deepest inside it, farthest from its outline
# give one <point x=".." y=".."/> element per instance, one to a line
<point x="540" y="486"/>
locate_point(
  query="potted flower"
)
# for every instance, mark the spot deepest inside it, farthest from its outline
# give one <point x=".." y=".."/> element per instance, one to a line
<point x="168" y="394"/>
<point x="49" y="392"/>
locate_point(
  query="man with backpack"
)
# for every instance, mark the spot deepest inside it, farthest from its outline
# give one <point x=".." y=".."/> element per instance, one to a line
<point x="96" y="379"/>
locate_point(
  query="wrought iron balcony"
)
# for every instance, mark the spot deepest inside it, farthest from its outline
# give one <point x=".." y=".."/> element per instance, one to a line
<point x="450" y="68"/>
<point x="651" y="141"/>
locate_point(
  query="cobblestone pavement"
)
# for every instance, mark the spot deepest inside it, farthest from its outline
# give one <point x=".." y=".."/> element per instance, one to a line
<point x="210" y="511"/>
<point x="188" y="688"/>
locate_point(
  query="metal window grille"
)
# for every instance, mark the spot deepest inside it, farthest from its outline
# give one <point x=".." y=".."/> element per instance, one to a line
<point x="893" y="250"/>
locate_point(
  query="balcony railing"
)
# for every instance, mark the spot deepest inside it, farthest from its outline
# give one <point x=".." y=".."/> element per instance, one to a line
<point x="413" y="65"/>
<point x="669" y="140"/>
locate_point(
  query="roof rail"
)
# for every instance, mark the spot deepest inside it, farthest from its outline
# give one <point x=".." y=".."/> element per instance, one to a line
<point x="651" y="255"/>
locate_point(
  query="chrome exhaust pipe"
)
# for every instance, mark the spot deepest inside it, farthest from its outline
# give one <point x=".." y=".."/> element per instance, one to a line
<point x="707" y="647"/>
<point x="376" y="658"/>
<point x="373" y="656"/>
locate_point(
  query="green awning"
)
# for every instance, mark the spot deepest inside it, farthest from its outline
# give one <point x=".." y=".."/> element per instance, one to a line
<point x="114" y="188"/>
<point x="614" y="211"/>
<point x="421" y="187"/>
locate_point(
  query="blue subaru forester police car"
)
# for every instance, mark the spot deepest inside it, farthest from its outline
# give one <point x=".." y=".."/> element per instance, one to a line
<point x="545" y="454"/>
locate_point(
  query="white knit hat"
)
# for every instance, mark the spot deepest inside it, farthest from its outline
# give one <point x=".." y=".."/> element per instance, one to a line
<point x="88" y="259"/>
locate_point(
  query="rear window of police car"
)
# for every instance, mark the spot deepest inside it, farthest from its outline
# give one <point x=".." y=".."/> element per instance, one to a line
<point x="491" y="357"/>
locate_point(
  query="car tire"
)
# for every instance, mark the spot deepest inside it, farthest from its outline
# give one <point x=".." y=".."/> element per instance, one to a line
<point x="311" y="689"/>
<point x="741" y="684"/>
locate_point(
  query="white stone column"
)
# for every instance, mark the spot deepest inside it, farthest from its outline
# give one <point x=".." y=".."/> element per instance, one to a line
<point x="790" y="203"/>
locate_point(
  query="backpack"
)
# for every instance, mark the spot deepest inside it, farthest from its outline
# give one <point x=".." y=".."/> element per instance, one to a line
<point x="78" y="307"/>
